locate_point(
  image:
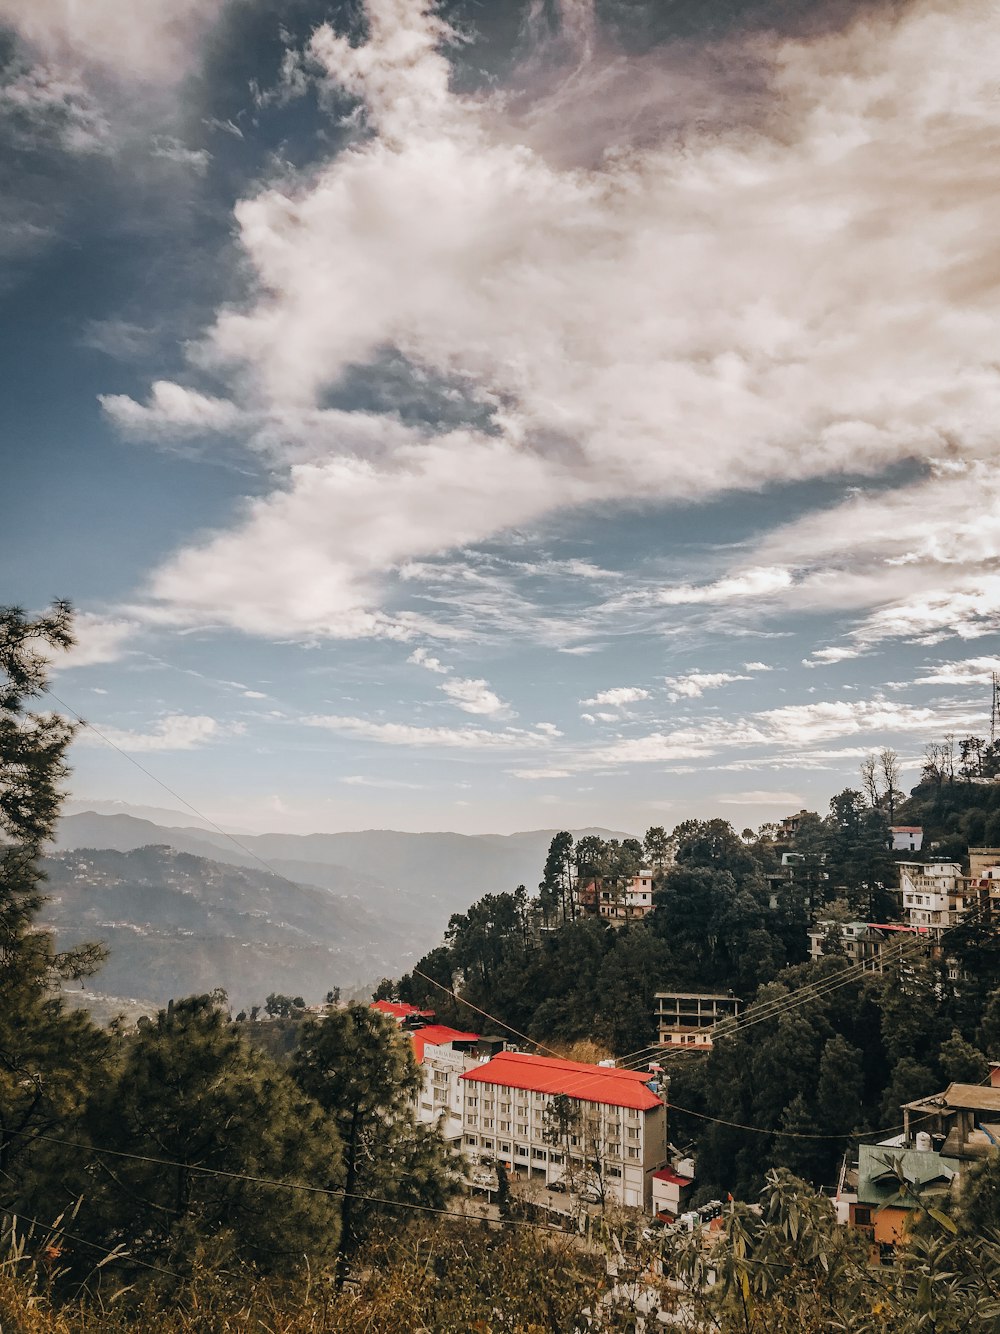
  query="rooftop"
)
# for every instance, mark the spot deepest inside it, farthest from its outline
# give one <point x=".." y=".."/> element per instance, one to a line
<point x="547" y="1074"/>
<point x="401" y="1009"/>
<point x="437" y="1035"/>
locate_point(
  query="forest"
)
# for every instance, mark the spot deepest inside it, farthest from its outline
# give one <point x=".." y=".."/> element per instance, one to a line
<point x="175" y="1175"/>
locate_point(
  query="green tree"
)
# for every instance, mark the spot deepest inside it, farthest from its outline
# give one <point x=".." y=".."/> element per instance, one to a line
<point x="555" y="892"/>
<point x="190" y="1090"/>
<point x="361" y="1070"/>
<point x="961" y="1062"/>
<point x="46" y="1054"/>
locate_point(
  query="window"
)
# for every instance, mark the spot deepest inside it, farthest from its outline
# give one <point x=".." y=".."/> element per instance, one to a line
<point x="613" y="1171"/>
<point x="472" y="1120"/>
<point x="487" y="1143"/>
<point x="505" y="1148"/>
<point x="862" y="1215"/>
<point x="471" y="1140"/>
<point x="520" y="1151"/>
<point x="633" y="1153"/>
<point x="505" y="1126"/>
<point x="538" y="1153"/>
<point x="523" y="1131"/>
<point x="472" y="1102"/>
<point x="633" y="1132"/>
<point x="487" y="1122"/>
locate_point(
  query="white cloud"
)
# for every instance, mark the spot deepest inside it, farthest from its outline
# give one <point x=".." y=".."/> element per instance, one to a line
<point x="254" y="694"/>
<point x="177" y="731"/>
<point x="687" y="313"/>
<point x="406" y="734"/>
<point x="756" y="667"/>
<point x="531" y="775"/>
<point x="760" y="798"/>
<point x="473" y="696"/>
<point x="823" y="656"/>
<point x="170" y="149"/>
<point x="153" y="41"/>
<point x="969" y="671"/>
<point x="359" y="780"/>
<point x="172" y="411"/>
<point x="421" y="658"/>
<point x="694" y="684"/>
<point x="99" y="639"/>
<point x="549" y="729"/>
<point x="618" y="696"/>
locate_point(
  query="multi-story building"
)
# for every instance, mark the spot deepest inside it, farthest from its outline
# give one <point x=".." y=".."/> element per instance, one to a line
<point x="686" y="1019"/>
<point x="617" y="902"/>
<point x="594" y="1130"/>
<point x="937" y="895"/>
<point x="443" y="1054"/>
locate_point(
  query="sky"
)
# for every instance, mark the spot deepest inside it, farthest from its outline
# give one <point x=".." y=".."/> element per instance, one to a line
<point x="504" y="415"/>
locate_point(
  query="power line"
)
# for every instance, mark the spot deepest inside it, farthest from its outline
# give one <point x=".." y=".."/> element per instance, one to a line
<point x="54" y="1230"/>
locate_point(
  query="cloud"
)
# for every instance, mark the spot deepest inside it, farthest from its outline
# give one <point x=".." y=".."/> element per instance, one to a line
<point x="756" y="667"/>
<point x="532" y="775"/>
<point x="760" y="798"/>
<point x="177" y="731"/>
<point x="406" y="734"/>
<point x="970" y="671"/>
<point x="823" y="656"/>
<point x="359" y="780"/>
<point x="618" y="696"/>
<point x="99" y="639"/>
<point x="171" y="411"/>
<point x="473" y="696"/>
<point x="421" y="658"/>
<point x="170" y="149"/>
<point x="694" y="684"/>
<point x="154" y="41"/>
<point x="41" y="104"/>
<point x="708" y="306"/>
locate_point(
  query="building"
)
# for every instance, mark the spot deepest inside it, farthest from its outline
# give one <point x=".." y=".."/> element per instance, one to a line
<point x="598" y="1131"/>
<point x="406" y="1015"/>
<point x="686" y="1019"/>
<point x="443" y="1054"/>
<point x="937" y="895"/>
<point x="616" y="902"/>
<point x="907" y="837"/>
<point x="862" y="942"/>
<point x="982" y="860"/>
<point x="671" y="1192"/>
<point x="943" y="1136"/>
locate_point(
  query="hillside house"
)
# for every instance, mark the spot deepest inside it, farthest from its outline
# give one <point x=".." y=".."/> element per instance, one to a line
<point x="686" y="1019"/>
<point x="907" y="837"/>
<point x="943" y="1136"/>
<point x="617" y="903"/>
<point x="614" y="1139"/>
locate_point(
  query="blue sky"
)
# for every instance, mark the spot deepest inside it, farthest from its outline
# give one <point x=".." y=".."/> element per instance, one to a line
<point x="501" y="416"/>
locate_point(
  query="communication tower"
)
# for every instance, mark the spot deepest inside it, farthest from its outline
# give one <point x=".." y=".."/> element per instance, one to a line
<point x="995" y="710"/>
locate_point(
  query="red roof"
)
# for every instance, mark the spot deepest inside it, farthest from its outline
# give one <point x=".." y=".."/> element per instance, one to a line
<point x="400" y="1009"/>
<point x="895" y="926"/>
<point x="674" y="1180"/>
<point x="546" y="1074"/>
<point x="906" y="829"/>
<point x="437" y="1035"/>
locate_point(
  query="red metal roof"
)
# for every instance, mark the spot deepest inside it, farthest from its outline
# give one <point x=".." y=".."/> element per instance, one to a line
<point x="547" y="1074"/>
<point x="672" y="1178"/>
<point x="906" y="829"/>
<point x="400" y="1009"/>
<point x="437" y="1035"/>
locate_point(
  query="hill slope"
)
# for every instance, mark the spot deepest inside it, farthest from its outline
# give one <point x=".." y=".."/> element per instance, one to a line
<point x="176" y="923"/>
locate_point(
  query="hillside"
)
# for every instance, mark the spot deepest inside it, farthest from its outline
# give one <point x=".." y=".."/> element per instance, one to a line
<point x="416" y="879"/>
<point x="176" y="923"/>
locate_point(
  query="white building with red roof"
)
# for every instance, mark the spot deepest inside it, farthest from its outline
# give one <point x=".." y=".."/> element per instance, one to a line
<point x="443" y="1054"/>
<point x="614" y="1136"/>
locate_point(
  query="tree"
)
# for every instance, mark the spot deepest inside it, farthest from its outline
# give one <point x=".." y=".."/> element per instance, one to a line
<point x="658" y="847"/>
<point x="961" y="1062"/>
<point x="46" y="1054"/>
<point x="555" y="892"/>
<point x="361" y="1070"/>
<point x="188" y="1112"/>
<point x="282" y="1007"/>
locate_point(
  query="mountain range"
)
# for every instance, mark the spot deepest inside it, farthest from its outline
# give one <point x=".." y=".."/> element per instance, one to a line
<point x="188" y="907"/>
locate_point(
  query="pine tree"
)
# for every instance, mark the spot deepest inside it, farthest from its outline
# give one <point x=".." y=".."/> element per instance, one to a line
<point x="46" y="1054"/>
<point x="361" y="1070"/>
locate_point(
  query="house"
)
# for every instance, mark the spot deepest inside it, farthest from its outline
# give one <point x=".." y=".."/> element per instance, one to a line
<point x="862" y="942"/>
<point x="596" y="1130"/>
<point x="982" y="860"/>
<point x="617" y="902"/>
<point x="671" y="1192"/>
<point x="937" y="895"/>
<point x="943" y="1136"/>
<point x="406" y="1015"/>
<point x="907" y="837"/>
<point x="686" y="1019"/>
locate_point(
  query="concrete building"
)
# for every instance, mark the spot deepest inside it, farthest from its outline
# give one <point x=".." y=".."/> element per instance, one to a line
<point x="907" y="837"/>
<point x="443" y="1054"/>
<point x="686" y="1019"/>
<point x="599" y="1132"/>
<point x="937" y="895"/>
<point x="617" y="903"/>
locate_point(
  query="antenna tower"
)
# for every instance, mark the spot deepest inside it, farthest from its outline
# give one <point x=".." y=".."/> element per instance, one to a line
<point x="995" y="710"/>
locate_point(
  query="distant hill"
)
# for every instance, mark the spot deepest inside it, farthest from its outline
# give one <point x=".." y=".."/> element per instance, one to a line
<point x="416" y="879"/>
<point x="176" y="923"/>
